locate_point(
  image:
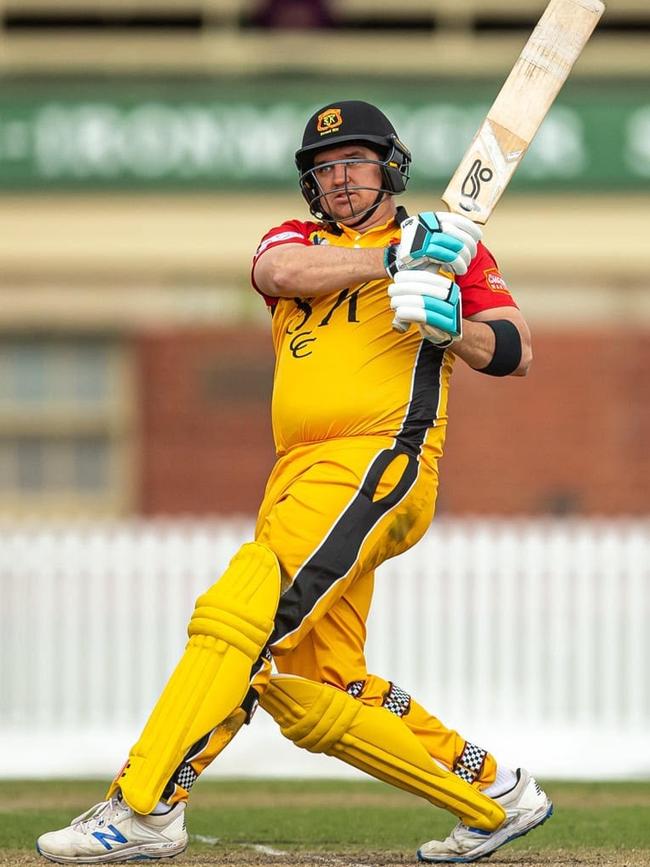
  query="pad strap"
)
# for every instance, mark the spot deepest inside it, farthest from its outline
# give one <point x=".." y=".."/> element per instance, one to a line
<point x="397" y="701"/>
<point x="355" y="688"/>
<point x="470" y="762"/>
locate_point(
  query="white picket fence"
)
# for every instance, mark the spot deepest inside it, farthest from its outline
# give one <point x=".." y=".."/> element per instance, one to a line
<point x="532" y="638"/>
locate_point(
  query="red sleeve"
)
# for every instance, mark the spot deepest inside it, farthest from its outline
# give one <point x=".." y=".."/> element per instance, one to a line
<point x="290" y="232"/>
<point x="483" y="286"/>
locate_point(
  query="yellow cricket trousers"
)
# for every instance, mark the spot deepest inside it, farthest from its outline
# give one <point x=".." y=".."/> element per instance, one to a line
<point x="333" y="512"/>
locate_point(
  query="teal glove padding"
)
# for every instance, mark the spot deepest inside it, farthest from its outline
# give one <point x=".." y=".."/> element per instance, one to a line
<point x="431" y="300"/>
<point x="442" y="238"/>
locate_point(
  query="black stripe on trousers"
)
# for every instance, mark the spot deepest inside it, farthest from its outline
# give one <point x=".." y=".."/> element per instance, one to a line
<point x="337" y="554"/>
<point x="340" y="549"/>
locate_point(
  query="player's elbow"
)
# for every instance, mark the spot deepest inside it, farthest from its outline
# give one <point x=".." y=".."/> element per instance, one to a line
<point x="526" y="360"/>
<point x="284" y="278"/>
<point x="278" y="277"/>
<point x="269" y="280"/>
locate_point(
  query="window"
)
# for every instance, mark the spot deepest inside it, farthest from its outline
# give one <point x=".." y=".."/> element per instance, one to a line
<point x="66" y="412"/>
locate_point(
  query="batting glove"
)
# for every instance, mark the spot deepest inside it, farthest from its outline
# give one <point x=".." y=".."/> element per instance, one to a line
<point x="434" y="239"/>
<point x="431" y="300"/>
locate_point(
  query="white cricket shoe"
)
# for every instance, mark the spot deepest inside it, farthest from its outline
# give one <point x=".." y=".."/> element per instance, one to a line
<point x="526" y="806"/>
<point x="111" y="831"/>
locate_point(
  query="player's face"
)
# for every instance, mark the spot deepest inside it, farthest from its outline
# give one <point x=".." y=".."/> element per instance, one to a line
<point x="350" y="178"/>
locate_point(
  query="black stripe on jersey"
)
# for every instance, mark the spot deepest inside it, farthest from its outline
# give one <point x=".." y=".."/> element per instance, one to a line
<point x="340" y="549"/>
<point x="337" y="554"/>
<point x="425" y="396"/>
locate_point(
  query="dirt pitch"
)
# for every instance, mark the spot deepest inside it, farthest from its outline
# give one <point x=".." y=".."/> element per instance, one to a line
<point x="597" y="812"/>
<point x="242" y="858"/>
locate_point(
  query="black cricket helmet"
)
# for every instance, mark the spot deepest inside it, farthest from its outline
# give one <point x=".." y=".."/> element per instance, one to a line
<point x="352" y="121"/>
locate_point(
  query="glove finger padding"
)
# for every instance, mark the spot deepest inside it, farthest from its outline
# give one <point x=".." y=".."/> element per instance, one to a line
<point x="409" y="313"/>
<point x="466" y="233"/>
<point x="428" y="311"/>
<point x="466" y="244"/>
<point x="448" y="251"/>
<point x="420" y="282"/>
<point x="454" y="224"/>
<point x="428" y="299"/>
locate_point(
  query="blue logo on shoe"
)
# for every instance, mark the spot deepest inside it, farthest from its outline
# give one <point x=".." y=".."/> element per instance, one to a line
<point x="106" y="839"/>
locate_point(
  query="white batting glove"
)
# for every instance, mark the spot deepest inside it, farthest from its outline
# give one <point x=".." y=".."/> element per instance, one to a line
<point x="431" y="301"/>
<point x="430" y="239"/>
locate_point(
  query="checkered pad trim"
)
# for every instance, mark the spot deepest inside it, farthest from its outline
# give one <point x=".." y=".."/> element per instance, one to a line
<point x="186" y="777"/>
<point x="397" y="701"/>
<point x="468" y="776"/>
<point x="355" y="688"/>
<point x="471" y="761"/>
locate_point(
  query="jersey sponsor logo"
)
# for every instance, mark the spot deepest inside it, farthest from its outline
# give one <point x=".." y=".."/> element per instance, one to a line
<point x="277" y="239"/>
<point x="495" y="281"/>
<point x="329" y="121"/>
<point x="106" y="839"/>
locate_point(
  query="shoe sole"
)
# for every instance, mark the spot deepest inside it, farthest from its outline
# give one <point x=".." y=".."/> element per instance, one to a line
<point x="469" y="860"/>
<point x="109" y="858"/>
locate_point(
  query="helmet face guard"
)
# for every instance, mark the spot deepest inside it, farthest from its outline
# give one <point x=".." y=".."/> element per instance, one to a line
<point x="347" y="122"/>
<point x="394" y="174"/>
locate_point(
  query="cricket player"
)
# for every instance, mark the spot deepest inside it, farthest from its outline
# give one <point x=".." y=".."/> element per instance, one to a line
<point x="370" y="310"/>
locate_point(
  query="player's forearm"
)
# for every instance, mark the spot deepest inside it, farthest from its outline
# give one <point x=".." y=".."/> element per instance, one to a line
<point x="295" y="271"/>
<point x="477" y="345"/>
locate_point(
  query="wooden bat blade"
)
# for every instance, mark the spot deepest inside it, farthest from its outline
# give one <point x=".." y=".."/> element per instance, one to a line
<point x="520" y="107"/>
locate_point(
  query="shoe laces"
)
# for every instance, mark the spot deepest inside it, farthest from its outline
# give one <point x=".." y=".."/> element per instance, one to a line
<point x="99" y="815"/>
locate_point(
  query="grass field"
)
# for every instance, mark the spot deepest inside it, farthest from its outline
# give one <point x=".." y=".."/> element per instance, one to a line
<point x="343" y="823"/>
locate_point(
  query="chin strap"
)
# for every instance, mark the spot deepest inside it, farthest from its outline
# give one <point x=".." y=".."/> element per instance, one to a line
<point x="367" y="215"/>
<point x="324" y="217"/>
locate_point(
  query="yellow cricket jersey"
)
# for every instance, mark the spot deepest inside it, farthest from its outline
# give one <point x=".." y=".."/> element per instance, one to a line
<point x="342" y="370"/>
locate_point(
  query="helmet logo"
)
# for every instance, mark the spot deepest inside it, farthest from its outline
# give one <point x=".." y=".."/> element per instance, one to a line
<point x="329" y="121"/>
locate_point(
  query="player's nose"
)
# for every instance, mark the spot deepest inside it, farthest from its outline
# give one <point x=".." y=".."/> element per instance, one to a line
<point x="340" y="174"/>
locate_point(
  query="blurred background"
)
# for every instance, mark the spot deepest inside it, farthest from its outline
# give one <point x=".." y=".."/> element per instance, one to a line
<point x="145" y="147"/>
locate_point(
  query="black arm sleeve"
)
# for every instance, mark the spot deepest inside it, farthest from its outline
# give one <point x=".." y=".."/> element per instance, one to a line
<point x="507" y="348"/>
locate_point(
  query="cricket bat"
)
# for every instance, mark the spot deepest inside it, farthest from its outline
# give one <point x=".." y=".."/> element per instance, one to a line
<point x="520" y="107"/>
<point x="522" y="104"/>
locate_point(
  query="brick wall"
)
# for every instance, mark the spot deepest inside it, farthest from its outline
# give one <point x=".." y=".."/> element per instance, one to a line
<point x="205" y="443"/>
<point x="572" y="437"/>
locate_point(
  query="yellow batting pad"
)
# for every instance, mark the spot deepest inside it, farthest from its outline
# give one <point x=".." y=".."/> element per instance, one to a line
<point x="323" y="719"/>
<point x="230" y="625"/>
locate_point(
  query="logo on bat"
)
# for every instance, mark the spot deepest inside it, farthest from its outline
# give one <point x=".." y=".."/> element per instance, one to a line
<point x="477" y="175"/>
